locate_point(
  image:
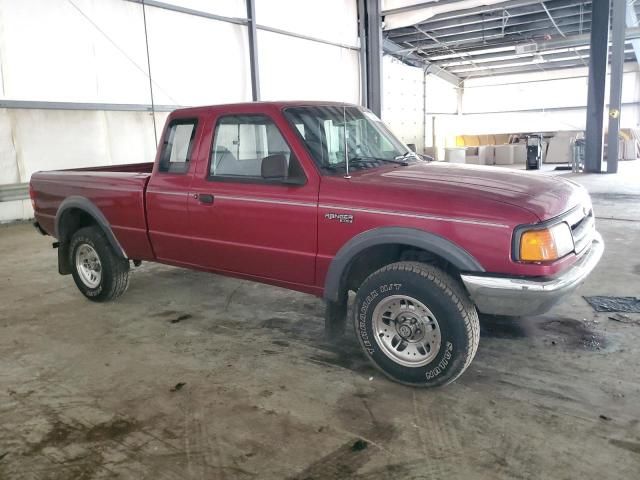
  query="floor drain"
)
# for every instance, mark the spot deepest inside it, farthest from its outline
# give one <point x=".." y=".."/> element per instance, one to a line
<point x="614" y="304"/>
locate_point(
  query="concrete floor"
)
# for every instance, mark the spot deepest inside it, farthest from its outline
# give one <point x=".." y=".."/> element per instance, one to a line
<point x="86" y="389"/>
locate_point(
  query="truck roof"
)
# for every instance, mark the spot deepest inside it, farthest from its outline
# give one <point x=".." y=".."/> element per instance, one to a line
<point x="230" y="107"/>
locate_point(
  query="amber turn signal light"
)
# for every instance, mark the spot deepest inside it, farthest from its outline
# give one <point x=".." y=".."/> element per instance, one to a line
<point x="546" y="244"/>
<point x="537" y="246"/>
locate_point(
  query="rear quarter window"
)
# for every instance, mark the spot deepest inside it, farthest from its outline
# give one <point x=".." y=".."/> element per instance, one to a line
<point x="177" y="146"/>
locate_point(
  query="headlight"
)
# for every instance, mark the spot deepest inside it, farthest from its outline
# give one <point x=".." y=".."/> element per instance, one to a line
<point x="546" y="244"/>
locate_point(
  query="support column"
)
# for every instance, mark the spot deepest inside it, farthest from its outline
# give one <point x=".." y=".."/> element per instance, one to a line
<point x="615" y="84"/>
<point x="362" y="53"/>
<point x="253" y="50"/>
<point x="373" y="54"/>
<point x="597" y="77"/>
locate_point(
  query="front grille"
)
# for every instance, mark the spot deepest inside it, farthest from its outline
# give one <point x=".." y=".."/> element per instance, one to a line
<point x="583" y="230"/>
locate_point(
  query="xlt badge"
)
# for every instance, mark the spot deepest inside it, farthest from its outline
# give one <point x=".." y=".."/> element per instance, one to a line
<point x="341" y="217"/>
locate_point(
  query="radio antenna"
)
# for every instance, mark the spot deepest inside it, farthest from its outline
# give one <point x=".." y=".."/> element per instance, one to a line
<point x="346" y="146"/>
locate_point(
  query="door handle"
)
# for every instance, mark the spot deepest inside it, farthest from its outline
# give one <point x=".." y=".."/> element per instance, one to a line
<point x="204" y="197"/>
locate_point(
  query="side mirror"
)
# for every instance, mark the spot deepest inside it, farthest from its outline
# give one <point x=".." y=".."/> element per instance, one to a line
<point x="412" y="147"/>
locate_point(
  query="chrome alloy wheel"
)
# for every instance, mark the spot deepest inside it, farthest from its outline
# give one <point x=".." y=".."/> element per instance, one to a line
<point x="88" y="265"/>
<point x="406" y="331"/>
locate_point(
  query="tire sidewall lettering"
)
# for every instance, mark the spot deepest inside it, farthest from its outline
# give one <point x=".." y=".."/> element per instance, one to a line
<point x="442" y="364"/>
<point x="364" y="309"/>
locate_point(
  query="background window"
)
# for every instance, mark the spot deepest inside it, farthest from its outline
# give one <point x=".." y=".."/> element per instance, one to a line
<point x="251" y="146"/>
<point x="177" y="146"/>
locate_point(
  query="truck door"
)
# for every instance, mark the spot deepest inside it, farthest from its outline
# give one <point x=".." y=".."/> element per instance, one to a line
<point x="253" y="208"/>
<point x="167" y="194"/>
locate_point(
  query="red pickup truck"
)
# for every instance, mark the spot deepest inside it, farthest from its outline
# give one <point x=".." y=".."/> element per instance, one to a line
<point x="321" y="198"/>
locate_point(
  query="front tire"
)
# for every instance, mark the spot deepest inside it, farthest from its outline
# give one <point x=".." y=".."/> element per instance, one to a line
<point x="416" y="324"/>
<point x="98" y="272"/>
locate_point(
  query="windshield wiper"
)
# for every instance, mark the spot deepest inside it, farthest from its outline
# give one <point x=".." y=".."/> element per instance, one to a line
<point x="343" y="164"/>
<point x="396" y="160"/>
<point x="359" y="160"/>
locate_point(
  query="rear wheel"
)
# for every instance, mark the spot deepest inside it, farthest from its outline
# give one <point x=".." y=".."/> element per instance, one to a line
<point x="98" y="272"/>
<point x="416" y="324"/>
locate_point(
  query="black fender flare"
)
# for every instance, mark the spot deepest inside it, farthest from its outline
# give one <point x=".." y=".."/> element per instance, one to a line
<point x="430" y="242"/>
<point x="89" y="207"/>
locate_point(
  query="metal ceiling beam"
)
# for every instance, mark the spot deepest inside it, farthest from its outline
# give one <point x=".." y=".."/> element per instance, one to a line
<point x="500" y="32"/>
<point x="461" y="64"/>
<point x="538" y="67"/>
<point x="570" y="41"/>
<point x="550" y="61"/>
<point x="487" y="57"/>
<point x="553" y="20"/>
<point x="548" y="57"/>
<point x="476" y="21"/>
<point x="511" y="37"/>
<point x="534" y="67"/>
<point x="487" y="23"/>
<point x="530" y="6"/>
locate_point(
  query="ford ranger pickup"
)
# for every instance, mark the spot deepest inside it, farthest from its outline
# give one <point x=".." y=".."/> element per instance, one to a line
<point x="322" y="198"/>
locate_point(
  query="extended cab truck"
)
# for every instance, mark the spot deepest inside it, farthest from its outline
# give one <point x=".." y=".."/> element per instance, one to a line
<point x="321" y="198"/>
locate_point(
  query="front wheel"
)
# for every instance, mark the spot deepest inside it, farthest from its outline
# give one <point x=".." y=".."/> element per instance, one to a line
<point x="416" y="324"/>
<point x="98" y="272"/>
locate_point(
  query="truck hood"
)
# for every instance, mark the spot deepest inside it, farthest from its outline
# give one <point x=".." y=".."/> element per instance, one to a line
<point x="545" y="196"/>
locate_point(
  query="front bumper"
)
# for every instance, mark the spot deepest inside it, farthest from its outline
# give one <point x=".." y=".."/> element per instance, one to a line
<point x="530" y="296"/>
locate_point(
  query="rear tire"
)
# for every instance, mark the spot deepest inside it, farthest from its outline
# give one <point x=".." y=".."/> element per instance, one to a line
<point x="98" y="272"/>
<point x="416" y="324"/>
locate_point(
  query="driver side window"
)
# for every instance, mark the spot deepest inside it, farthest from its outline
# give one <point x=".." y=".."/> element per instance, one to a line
<point x="251" y="148"/>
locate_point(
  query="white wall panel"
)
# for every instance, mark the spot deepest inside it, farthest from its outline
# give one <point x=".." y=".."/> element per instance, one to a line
<point x="538" y="90"/>
<point x="58" y="139"/>
<point x="333" y="20"/>
<point x="8" y="163"/>
<point x="535" y="91"/>
<point x="558" y="120"/>
<point x="51" y="51"/>
<point x="296" y="69"/>
<point x="15" y="210"/>
<point x="120" y="53"/>
<point x="196" y="60"/>
<point x="130" y="136"/>
<point x="403" y="101"/>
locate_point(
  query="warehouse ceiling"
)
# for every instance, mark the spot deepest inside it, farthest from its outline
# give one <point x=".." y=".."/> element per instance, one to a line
<point x="460" y="39"/>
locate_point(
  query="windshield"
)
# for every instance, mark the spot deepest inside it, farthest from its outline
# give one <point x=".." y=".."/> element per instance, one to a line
<point x="369" y="143"/>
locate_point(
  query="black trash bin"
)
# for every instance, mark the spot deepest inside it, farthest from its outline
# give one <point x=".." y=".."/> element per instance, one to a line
<point x="534" y="152"/>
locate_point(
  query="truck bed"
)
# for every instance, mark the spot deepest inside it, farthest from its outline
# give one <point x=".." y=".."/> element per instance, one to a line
<point x="117" y="191"/>
<point x="125" y="168"/>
